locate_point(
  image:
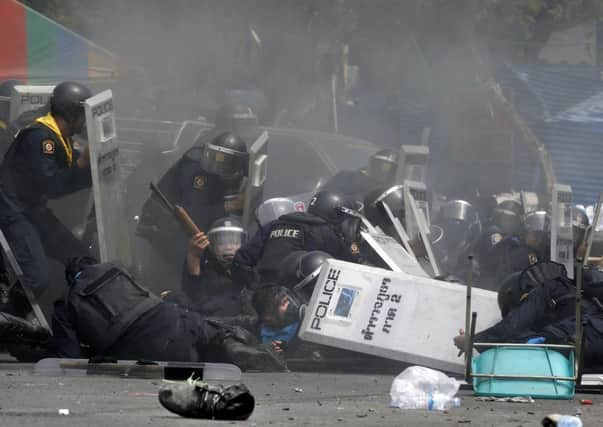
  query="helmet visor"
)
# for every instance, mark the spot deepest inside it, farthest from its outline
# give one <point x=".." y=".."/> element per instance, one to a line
<point x="273" y="209"/>
<point x="382" y="169"/>
<point x="224" y="162"/>
<point x="225" y="241"/>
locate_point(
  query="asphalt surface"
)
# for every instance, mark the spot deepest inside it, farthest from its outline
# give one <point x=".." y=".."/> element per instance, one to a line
<point x="296" y="399"/>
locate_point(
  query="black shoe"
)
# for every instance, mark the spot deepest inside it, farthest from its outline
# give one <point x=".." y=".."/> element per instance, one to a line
<point x="15" y="330"/>
<point x="253" y="358"/>
<point x="206" y="401"/>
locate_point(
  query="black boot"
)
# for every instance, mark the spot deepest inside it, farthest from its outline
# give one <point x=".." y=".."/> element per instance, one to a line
<point x="19" y="331"/>
<point x="210" y="402"/>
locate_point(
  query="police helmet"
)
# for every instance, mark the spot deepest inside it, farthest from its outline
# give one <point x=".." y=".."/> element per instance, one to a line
<point x="382" y="166"/>
<point x="580" y="223"/>
<point x="75" y="265"/>
<point x="300" y="270"/>
<point x="327" y="205"/>
<point x="460" y="220"/>
<point x="226" y="156"/>
<point x="6" y="88"/>
<point x="226" y="235"/>
<point x="538" y="221"/>
<point x="272" y="209"/>
<point x="239" y="119"/>
<point x="393" y="196"/>
<point x="507" y="220"/>
<point x="67" y="100"/>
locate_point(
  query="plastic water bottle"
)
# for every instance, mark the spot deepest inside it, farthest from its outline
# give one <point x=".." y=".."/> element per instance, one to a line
<point x="441" y="402"/>
<point x="569" y="421"/>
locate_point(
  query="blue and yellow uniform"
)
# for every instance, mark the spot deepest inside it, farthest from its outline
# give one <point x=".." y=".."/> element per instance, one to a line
<point x="40" y="164"/>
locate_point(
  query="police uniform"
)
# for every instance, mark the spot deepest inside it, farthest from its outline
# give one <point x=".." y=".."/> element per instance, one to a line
<point x="213" y="294"/>
<point x="549" y="311"/>
<point x="39" y="165"/>
<point x="299" y="231"/>
<point x="107" y="313"/>
<point x="200" y="193"/>
<point x="508" y="256"/>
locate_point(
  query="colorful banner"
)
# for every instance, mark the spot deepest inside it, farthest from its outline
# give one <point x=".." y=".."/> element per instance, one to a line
<point x="38" y="50"/>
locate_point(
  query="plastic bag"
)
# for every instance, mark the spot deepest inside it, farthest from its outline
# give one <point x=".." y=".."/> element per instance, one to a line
<point x="423" y="388"/>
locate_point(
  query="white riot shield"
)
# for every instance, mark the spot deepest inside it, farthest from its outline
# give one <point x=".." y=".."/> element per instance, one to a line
<point x="393" y="254"/>
<point x="394" y="315"/>
<point x="107" y="186"/>
<point x="562" y="241"/>
<point x="402" y="234"/>
<point x="412" y="163"/>
<point x="595" y="230"/>
<point x="417" y="218"/>
<point x="258" y="170"/>
<point x="26" y="98"/>
<point x="529" y="200"/>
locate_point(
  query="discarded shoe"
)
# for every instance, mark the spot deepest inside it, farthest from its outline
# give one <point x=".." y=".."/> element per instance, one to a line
<point x="214" y="402"/>
<point x="16" y="330"/>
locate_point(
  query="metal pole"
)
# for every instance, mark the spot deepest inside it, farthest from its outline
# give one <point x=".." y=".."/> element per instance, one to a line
<point x="468" y="306"/>
<point x="470" y="347"/>
<point x="334" y="101"/>
<point x="579" y="269"/>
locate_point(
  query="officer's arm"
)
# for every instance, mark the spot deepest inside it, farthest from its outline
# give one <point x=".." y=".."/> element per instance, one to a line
<point x="56" y="180"/>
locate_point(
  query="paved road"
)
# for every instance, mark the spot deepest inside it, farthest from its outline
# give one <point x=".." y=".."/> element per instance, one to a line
<point x="325" y="399"/>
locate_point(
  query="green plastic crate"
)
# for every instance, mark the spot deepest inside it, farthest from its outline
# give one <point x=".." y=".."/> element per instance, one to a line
<point x="527" y="361"/>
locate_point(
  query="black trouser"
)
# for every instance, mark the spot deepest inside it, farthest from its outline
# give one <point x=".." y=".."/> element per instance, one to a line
<point x="169" y="332"/>
<point x="35" y="234"/>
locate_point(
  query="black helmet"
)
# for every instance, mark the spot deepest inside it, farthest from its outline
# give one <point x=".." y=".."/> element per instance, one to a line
<point x="382" y="166"/>
<point x="67" y="100"/>
<point x="538" y="221"/>
<point x="580" y="223"/>
<point x="226" y="235"/>
<point x="226" y="156"/>
<point x="6" y="88"/>
<point x="272" y="209"/>
<point x="300" y="270"/>
<point x="393" y="196"/>
<point x="507" y="220"/>
<point x="326" y="205"/>
<point x="460" y="221"/>
<point x="239" y="119"/>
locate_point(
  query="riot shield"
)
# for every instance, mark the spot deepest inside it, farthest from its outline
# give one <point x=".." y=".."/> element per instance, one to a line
<point x="417" y="218"/>
<point x="27" y="98"/>
<point x="107" y="187"/>
<point x="391" y="314"/>
<point x="14" y="275"/>
<point x="398" y="227"/>
<point x="595" y="232"/>
<point x="562" y="242"/>
<point x="393" y="254"/>
<point x="529" y="201"/>
<point x="412" y="163"/>
<point x="254" y="192"/>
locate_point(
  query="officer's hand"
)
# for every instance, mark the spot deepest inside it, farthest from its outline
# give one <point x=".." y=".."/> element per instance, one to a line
<point x="234" y="205"/>
<point x="83" y="160"/>
<point x="459" y="340"/>
<point x="277" y="346"/>
<point x="198" y="243"/>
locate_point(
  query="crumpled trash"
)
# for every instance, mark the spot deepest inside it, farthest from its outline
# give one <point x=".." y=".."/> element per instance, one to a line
<point x="556" y="420"/>
<point x="523" y="399"/>
<point x="423" y="388"/>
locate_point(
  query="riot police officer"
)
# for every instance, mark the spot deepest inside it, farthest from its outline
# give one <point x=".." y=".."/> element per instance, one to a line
<point x="317" y="229"/>
<point x="381" y="171"/>
<point x="107" y="313"/>
<point x="42" y="164"/>
<point x="201" y="182"/>
<point x="206" y="280"/>
<point x="394" y="197"/>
